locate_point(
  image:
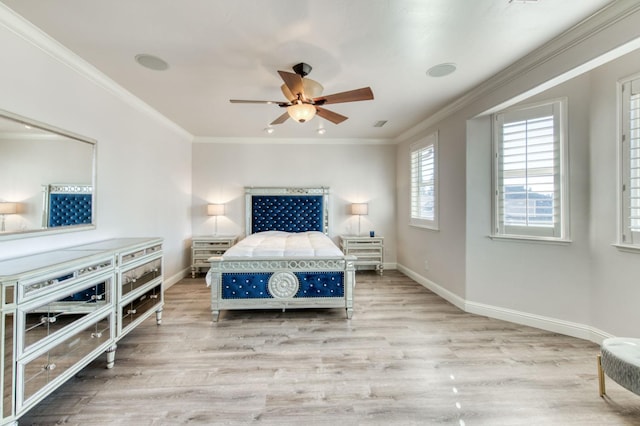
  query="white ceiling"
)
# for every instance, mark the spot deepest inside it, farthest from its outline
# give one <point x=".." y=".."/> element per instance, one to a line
<point x="219" y="50"/>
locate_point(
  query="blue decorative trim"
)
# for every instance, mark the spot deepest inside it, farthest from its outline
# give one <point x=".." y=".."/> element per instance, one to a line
<point x="245" y="285"/>
<point x="288" y="213"/>
<point x="69" y="209"/>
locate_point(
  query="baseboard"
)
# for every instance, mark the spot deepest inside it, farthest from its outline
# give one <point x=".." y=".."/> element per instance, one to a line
<point x="568" y="328"/>
<point x="168" y="282"/>
<point x="555" y="325"/>
<point x="440" y="291"/>
<point x="390" y="266"/>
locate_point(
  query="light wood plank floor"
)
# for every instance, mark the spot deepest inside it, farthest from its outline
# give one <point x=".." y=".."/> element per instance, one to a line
<point x="406" y="358"/>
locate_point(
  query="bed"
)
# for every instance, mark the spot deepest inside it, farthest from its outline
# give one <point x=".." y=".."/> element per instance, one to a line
<point x="287" y="260"/>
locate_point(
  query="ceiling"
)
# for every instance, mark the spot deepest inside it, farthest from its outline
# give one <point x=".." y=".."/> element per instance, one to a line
<point x="220" y="50"/>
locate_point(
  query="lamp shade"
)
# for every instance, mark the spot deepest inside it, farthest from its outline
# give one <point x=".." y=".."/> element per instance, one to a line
<point x="301" y="112"/>
<point x="8" y="207"/>
<point x="360" y="208"/>
<point x="215" y="209"/>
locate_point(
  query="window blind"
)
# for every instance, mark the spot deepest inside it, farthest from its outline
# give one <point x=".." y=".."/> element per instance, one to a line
<point x="528" y="193"/>
<point x="631" y="163"/>
<point x="424" y="183"/>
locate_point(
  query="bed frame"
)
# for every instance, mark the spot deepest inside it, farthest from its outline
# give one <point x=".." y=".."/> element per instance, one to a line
<point x="281" y="283"/>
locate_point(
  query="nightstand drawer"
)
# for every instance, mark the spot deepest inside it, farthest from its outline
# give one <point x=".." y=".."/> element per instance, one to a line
<point x="212" y="245"/>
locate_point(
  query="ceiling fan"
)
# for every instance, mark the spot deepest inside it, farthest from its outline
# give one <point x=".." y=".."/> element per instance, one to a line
<point x="305" y="100"/>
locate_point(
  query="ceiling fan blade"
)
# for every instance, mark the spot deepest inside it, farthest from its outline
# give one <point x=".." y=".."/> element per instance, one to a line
<point x="333" y="117"/>
<point x="363" y="94"/>
<point x="243" y="101"/>
<point x="293" y="82"/>
<point x="280" y="119"/>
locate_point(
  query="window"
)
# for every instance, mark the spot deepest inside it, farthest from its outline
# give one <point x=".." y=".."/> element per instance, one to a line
<point x="530" y="192"/>
<point x="630" y="157"/>
<point x="424" y="182"/>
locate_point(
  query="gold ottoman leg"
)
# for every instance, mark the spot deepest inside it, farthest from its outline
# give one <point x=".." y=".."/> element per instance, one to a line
<point x="601" y="388"/>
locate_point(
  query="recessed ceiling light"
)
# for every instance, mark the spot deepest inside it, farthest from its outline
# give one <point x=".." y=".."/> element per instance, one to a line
<point x="269" y="129"/>
<point x="441" y="70"/>
<point x="379" y="123"/>
<point x="321" y="131"/>
<point x="151" y="62"/>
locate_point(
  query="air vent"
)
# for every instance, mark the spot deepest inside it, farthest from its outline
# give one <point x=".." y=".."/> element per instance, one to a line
<point x="380" y="123"/>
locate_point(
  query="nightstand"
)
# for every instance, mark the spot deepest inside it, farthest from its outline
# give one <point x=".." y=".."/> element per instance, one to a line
<point x="368" y="250"/>
<point x="205" y="246"/>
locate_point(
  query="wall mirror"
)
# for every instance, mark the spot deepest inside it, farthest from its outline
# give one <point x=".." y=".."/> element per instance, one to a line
<point x="47" y="179"/>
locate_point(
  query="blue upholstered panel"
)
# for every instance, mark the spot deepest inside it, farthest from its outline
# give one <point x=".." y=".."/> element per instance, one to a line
<point x="245" y="285"/>
<point x="255" y="286"/>
<point x="69" y="209"/>
<point x="288" y="213"/>
<point x="320" y="284"/>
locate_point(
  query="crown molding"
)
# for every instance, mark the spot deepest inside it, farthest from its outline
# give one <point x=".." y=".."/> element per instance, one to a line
<point x="290" y="141"/>
<point x="38" y="38"/>
<point x="580" y="33"/>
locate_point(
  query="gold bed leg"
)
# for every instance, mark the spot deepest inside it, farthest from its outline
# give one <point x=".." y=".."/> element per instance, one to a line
<point x="601" y="388"/>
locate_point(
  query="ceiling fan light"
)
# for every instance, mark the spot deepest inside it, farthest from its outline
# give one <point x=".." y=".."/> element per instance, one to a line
<point x="301" y="112"/>
<point x="312" y="89"/>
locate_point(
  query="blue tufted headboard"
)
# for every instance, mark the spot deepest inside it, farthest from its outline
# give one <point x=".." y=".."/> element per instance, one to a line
<point x="67" y="205"/>
<point x="287" y="209"/>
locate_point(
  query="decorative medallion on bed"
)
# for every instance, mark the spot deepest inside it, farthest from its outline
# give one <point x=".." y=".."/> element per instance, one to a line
<point x="287" y="260"/>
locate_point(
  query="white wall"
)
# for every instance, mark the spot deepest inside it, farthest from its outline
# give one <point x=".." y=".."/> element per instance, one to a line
<point x="444" y="249"/>
<point x="586" y="288"/>
<point x="548" y="280"/>
<point x="353" y="172"/>
<point x="614" y="273"/>
<point x="143" y="161"/>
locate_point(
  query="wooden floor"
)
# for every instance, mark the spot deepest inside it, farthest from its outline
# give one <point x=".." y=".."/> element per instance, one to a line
<point x="406" y="358"/>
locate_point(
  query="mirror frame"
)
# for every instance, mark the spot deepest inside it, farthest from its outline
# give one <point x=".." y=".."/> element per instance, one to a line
<point x="36" y="232"/>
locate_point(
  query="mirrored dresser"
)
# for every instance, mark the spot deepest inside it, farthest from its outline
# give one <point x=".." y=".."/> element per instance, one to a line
<point x="62" y="309"/>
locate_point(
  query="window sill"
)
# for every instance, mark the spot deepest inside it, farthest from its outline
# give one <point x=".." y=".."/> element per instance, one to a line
<point x="525" y="239"/>
<point x="426" y="227"/>
<point x="627" y="248"/>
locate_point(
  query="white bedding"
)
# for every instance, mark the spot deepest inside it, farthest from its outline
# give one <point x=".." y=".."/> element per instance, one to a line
<point x="284" y="244"/>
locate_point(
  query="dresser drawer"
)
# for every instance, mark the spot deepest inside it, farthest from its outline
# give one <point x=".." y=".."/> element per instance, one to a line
<point x="39" y="372"/>
<point x="132" y="256"/>
<point x="43" y="320"/>
<point x="28" y="289"/>
<point x="138" y="276"/>
<point x="139" y="307"/>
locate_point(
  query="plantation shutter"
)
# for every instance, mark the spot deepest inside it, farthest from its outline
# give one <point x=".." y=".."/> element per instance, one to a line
<point x="423" y="182"/>
<point x="529" y="193"/>
<point x="631" y="162"/>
